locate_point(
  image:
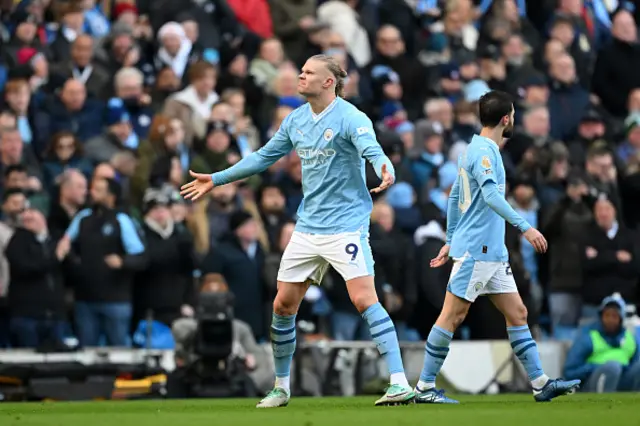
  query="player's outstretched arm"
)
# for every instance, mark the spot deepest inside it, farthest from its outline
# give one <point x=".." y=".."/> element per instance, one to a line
<point x="256" y="162"/>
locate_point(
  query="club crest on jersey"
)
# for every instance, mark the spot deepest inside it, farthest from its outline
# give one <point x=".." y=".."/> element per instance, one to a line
<point x="328" y="134"/>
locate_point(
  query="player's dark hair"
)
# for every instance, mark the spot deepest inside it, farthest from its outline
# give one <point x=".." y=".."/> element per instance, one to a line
<point x="334" y="67"/>
<point x="493" y="106"/>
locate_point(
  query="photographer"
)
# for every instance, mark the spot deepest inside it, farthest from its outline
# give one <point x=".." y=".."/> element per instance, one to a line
<point x="36" y="293"/>
<point x="564" y="227"/>
<point x="243" y="348"/>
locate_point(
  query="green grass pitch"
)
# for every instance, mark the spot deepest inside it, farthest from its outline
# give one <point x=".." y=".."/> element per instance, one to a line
<point x="507" y="410"/>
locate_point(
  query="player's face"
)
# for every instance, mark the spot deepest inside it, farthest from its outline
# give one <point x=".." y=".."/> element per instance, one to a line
<point x="313" y="79"/>
<point x="508" y="130"/>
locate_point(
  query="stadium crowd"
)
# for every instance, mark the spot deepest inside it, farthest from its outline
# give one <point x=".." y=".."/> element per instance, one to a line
<point x="107" y="104"/>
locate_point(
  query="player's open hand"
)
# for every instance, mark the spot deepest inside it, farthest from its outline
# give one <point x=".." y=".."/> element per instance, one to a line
<point x="537" y="240"/>
<point x="441" y="258"/>
<point x="387" y="180"/>
<point x="195" y="189"/>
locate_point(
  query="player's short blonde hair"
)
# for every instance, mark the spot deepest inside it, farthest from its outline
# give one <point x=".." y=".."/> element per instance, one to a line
<point x="334" y="67"/>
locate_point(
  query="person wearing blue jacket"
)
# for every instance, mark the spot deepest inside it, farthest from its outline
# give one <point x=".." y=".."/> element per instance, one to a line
<point x="605" y="355"/>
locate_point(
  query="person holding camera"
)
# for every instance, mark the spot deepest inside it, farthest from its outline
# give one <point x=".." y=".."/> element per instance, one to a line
<point x="564" y="227"/>
<point x="36" y="294"/>
<point x="244" y="350"/>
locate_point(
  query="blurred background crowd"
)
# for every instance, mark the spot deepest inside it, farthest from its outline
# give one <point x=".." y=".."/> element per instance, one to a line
<point x="106" y="105"/>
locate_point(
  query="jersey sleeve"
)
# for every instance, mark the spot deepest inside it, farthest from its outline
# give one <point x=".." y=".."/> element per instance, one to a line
<point x="483" y="167"/>
<point x="277" y="147"/>
<point x="363" y="137"/>
<point x="453" y="211"/>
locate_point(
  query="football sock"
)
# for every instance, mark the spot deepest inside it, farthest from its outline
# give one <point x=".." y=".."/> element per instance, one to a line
<point x="283" y="342"/>
<point x="526" y="350"/>
<point x="384" y="335"/>
<point x="436" y="351"/>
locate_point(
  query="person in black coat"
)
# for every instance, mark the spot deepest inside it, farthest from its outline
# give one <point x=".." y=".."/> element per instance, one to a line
<point x="166" y="286"/>
<point x="611" y="262"/>
<point x="36" y="292"/>
<point x="615" y="73"/>
<point x="240" y="259"/>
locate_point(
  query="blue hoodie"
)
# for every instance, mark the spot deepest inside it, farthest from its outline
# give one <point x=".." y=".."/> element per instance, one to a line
<point x="576" y="366"/>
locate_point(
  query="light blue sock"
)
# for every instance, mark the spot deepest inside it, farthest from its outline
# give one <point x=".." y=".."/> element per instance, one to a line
<point x="384" y="335"/>
<point x="436" y="351"/>
<point x="283" y="342"/>
<point x="526" y="350"/>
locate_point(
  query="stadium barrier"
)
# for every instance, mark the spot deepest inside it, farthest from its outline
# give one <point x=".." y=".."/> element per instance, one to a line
<point x="471" y="367"/>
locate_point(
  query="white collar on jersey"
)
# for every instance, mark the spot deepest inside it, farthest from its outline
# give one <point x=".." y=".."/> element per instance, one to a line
<point x="329" y="107"/>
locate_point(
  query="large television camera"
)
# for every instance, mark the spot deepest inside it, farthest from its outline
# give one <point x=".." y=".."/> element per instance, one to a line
<point x="210" y="369"/>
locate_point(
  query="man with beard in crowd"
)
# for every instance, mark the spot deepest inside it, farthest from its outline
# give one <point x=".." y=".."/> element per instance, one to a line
<point x="271" y="202"/>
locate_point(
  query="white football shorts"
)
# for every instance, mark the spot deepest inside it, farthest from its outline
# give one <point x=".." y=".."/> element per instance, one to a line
<point x="471" y="278"/>
<point x="308" y="256"/>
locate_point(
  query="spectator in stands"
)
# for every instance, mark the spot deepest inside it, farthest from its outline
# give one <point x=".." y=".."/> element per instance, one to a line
<point x="165" y="85"/>
<point x="592" y="127"/>
<point x="71" y="26"/>
<point x="244" y="129"/>
<point x="118" y="136"/>
<point x="13" y="152"/>
<point x="118" y="49"/>
<point x="71" y="187"/>
<point x="604" y="355"/>
<point x="395" y="266"/>
<point x="429" y="143"/>
<point x="165" y="288"/>
<point x="240" y="259"/>
<point x="17" y="177"/>
<point x="390" y="52"/>
<point x="602" y="174"/>
<point x="36" y="293"/>
<point x="17" y="96"/>
<point x="611" y="262"/>
<point x="193" y="105"/>
<point x="8" y="119"/>
<point x="569" y="26"/>
<point x="82" y="66"/>
<point x="264" y="68"/>
<point x="631" y="145"/>
<point x="166" y="139"/>
<point x="13" y="205"/>
<point x="291" y="22"/>
<point x="70" y="111"/>
<point x="525" y="203"/>
<point x="630" y="192"/>
<point x="175" y="50"/>
<point x="613" y="77"/>
<point x="271" y="203"/>
<point x="128" y="84"/>
<point x="568" y="100"/>
<point x="64" y="152"/>
<point x="107" y="250"/>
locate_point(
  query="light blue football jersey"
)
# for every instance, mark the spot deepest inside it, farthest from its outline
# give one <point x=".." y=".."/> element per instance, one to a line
<point x="479" y="230"/>
<point x="332" y="147"/>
